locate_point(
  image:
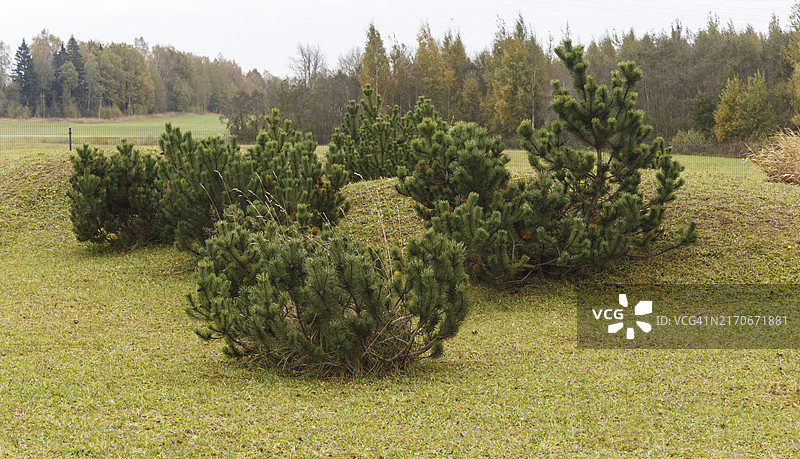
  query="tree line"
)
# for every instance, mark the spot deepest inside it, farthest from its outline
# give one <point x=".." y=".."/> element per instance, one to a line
<point x="716" y="84"/>
<point x="50" y="78"/>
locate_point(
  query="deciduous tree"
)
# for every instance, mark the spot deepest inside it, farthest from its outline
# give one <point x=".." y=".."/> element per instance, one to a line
<point x="517" y="74"/>
<point x="125" y="78"/>
<point x="309" y="65"/>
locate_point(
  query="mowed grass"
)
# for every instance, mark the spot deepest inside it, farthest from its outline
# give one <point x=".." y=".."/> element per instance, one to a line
<point x="125" y="126"/>
<point x="728" y="166"/>
<point x="19" y="137"/>
<point x="97" y="357"/>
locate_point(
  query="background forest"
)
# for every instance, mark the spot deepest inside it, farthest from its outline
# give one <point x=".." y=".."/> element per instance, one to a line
<point x="717" y="84"/>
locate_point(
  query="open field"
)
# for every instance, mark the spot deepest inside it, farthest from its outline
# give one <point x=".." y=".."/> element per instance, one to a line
<point x="728" y="166"/>
<point x="38" y="135"/>
<point x="97" y="357"/>
<point x="127" y="126"/>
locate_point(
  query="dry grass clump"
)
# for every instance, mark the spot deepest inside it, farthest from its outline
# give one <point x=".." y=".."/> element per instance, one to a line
<point x="780" y="158"/>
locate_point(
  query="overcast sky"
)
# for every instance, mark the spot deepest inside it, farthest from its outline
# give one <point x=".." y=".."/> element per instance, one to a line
<point x="265" y="34"/>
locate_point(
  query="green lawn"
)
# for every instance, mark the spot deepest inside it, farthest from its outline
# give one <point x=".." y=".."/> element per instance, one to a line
<point x="126" y="126"/>
<point x="97" y="357"/>
<point x="21" y="136"/>
<point x="728" y="166"/>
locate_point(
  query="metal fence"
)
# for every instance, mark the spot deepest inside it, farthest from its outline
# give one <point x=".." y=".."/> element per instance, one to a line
<point x="35" y="137"/>
<point x="720" y="150"/>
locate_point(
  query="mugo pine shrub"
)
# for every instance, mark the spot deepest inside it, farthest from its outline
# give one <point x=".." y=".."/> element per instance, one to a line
<point x="583" y="209"/>
<point x="451" y="164"/>
<point x="293" y="180"/>
<point x="370" y="144"/>
<point x="199" y="180"/>
<point x="113" y="197"/>
<point x="324" y="304"/>
<point x="181" y="194"/>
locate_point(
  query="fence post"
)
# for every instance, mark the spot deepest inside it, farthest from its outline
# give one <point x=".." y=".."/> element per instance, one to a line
<point x="70" y="139"/>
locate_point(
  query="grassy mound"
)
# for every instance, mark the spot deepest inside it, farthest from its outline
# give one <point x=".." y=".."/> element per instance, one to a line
<point x="32" y="193"/>
<point x="99" y="359"/>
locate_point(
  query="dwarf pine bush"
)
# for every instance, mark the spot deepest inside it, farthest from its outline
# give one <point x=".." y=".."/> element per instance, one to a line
<point x="200" y="179"/>
<point x="291" y="179"/>
<point x="180" y="194"/>
<point x="451" y="164"/>
<point x="113" y="198"/>
<point x="371" y="144"/>
<point x="584" y="207"/>
<point x="197" y="181"/>
<point x="323" y="304"/>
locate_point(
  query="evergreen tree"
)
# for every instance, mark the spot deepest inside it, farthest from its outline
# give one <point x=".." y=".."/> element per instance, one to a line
<point x="25" y="76"/>
<point x="744" y="111"/>
<point x="59" y="59"/>
<point x="702" y="113"/>
<point x="451" y="164"/>
<point x="599" y="188"/>
<point x="200" y="179"/>
<point x="410" y="123"/>
<point x="197" y="181"/>
<point x="81" y="91"/>
<point x="292" y="180"/>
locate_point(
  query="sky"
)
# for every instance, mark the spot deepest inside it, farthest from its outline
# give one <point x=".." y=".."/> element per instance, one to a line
<point x="265" y="35"/>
